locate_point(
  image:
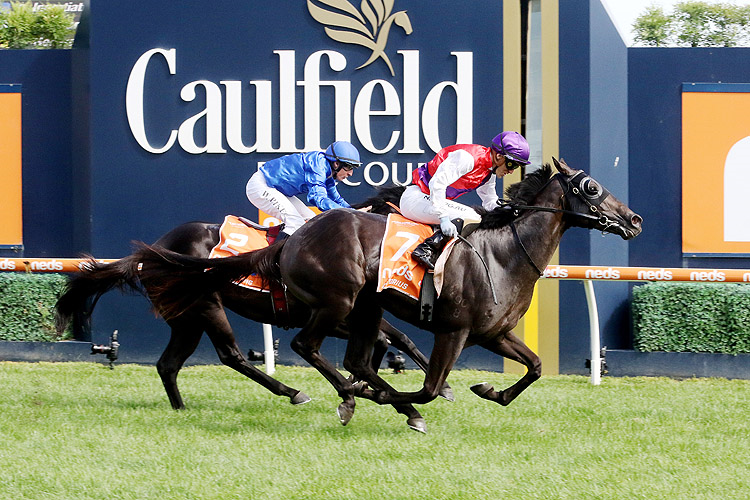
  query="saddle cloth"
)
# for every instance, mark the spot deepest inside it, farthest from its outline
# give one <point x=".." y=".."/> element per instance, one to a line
<point x="397" y="269"/>
<point x="235" y="238"/>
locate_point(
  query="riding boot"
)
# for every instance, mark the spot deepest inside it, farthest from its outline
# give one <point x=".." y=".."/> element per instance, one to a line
<point x="427" y="252"/>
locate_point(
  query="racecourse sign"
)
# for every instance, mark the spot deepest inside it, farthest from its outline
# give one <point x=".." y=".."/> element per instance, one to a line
<point x="184" y="100"/>
<point x="225" y="98"/>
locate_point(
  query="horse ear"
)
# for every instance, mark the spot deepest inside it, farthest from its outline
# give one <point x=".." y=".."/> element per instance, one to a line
<point x="561" y="166"/>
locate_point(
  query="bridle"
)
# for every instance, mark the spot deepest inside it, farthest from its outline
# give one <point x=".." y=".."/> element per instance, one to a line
<point x="585" y="190"/>
<point x="579" y="188"/>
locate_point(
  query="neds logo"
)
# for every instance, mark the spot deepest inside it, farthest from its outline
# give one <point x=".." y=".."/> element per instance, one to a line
<point x="7" y="265"/>
<point x="714" y="275"/>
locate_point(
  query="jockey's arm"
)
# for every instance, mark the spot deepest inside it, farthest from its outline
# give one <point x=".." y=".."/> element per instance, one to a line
<point x="488" y="193"/>
<point x="457" y="164"/>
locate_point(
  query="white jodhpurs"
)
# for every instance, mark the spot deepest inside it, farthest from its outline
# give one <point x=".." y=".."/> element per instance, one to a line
<point x="416" y="205"/>
<point x="288" y="209"/>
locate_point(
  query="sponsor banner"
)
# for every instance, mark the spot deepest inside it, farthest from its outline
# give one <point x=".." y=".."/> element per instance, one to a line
<point x="715" y="173"/>
<point x="600" y="273"/>
<point x="603" y="273"/>
<point x="45" y="265"/>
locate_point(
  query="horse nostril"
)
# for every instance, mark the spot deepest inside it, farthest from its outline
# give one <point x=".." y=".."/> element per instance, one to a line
<point x="636" y="220"/>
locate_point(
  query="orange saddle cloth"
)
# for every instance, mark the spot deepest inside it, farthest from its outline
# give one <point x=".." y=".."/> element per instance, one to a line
<point x="397" y="269"/>
<point x="236" y="238"/>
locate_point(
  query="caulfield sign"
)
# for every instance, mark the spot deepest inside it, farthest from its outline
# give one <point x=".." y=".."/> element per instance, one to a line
<point x="358" y="87"/>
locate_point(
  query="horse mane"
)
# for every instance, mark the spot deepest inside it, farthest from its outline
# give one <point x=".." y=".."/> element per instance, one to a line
<point x="520" y="193"/>
<point x="379" y="201"/>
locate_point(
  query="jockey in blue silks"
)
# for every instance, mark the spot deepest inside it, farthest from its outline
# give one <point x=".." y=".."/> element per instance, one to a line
<point x="277" y="183"/>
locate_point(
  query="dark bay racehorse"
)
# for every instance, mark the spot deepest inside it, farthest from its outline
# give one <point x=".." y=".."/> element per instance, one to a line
<point x="331" y="264"/>
<point x="208" y="315"/>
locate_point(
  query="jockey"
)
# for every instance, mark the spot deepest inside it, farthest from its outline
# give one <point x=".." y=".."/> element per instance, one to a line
<point x="456" y="170"/>
<point x="276" y="184"/>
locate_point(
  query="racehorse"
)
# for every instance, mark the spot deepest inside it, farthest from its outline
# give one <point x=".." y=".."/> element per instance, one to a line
<point x="331" y="264"/>
<point x="197" y="239"/>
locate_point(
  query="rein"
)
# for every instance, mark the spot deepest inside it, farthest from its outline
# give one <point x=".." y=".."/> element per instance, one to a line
<point x="525" y="252"/>
<point x="486" y="268"/>
<point x="566" y="185"/>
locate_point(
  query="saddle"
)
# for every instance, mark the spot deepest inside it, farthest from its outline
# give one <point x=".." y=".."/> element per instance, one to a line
<point x="272" y="232"/>
<point x="239" y="235"/>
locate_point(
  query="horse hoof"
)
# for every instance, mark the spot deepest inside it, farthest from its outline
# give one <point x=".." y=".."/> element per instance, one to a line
<point x="300" y="398"/>
<point x="417" y="424"/>
<point x="447" y="393"/>
<point x="481" y="389"/>
<point x="344" y="413"/>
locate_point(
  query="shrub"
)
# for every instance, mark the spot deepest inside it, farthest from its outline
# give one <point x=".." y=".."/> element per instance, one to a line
<point x="27" y="306"/>
<point x="21" y="27"/>
<point x="692" y="317"/>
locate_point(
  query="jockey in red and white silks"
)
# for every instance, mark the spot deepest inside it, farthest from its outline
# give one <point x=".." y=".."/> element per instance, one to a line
<point x="454" y="171"/>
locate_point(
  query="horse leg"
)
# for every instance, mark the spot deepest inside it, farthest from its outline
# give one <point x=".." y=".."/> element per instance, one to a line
<point x="445" y="352"/>
<point x="511" y="347"/>
<point x="400" y="341"/>
<point x="307" y="344"/>
<point x="182" y="343"/>
<point x="364" y="319"/>
<point x="220" y="333"/>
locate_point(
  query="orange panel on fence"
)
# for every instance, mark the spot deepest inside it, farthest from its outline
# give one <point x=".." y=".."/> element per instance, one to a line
<point x="42" y="265"/>
<point x="11" y="219"/>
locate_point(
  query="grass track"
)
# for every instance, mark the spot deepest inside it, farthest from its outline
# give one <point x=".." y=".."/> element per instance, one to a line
<point x="82" y="431"/>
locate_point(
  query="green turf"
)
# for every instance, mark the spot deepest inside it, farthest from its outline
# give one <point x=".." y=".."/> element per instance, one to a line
<point x="82" y="431"/>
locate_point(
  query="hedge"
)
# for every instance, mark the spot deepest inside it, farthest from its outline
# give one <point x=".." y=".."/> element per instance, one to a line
<point x="27" y="306"/>
<point x="692" y="317"/>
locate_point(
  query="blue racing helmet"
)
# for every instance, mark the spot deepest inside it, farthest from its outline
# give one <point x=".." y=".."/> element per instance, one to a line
<point x="345" y="153"/>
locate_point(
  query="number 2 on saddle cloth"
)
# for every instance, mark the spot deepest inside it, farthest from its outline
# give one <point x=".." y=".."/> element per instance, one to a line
<point x="236" y="237"/>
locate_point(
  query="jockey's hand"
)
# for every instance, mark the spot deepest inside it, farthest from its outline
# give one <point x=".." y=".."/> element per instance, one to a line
<point x="447" y="227"/>
<point x="365" y="209"/>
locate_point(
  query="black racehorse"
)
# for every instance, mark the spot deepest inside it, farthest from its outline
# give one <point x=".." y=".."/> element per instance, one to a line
<point x="208" y="315"/>
<point x="331" y="264"/>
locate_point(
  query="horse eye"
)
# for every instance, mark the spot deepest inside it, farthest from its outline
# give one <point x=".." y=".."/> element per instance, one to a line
<point x="590" y="187"/>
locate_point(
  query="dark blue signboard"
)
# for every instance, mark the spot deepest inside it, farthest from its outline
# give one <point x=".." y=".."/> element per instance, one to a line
<point x="182" y="100"/>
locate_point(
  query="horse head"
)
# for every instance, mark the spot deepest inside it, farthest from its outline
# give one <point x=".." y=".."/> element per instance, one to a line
<point x="594" y="206"/>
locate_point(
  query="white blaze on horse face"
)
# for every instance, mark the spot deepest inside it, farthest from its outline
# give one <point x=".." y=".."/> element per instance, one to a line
<point x="737" y="192"/>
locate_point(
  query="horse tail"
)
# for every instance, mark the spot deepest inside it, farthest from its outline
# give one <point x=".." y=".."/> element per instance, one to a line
<point x="175" y="282"/>
<point x="95" y="279"/>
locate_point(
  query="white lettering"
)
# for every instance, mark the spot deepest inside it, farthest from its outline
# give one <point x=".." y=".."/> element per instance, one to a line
<point x="608" y="274"/>
<point x="134" y="99"/>
<point x="661" y="274"/>
<point x="363" y="111"/>
<point x="224" y="110"/>
<point x="559" y="272"/>
<point x="411" y="102"/>
<point x="707" y="276"/>
<point x="342" y="93"/>
<point x="212" y="113"/>
<point x="52" y="265"/>
<point x="463" y="86"/>
<point x="7" y="265"/>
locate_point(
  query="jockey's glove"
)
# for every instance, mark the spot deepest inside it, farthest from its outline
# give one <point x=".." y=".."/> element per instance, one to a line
<point x="447" y="227"/>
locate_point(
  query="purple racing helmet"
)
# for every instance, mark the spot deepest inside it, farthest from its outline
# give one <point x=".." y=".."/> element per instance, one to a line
<point x="513" y="146"/>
